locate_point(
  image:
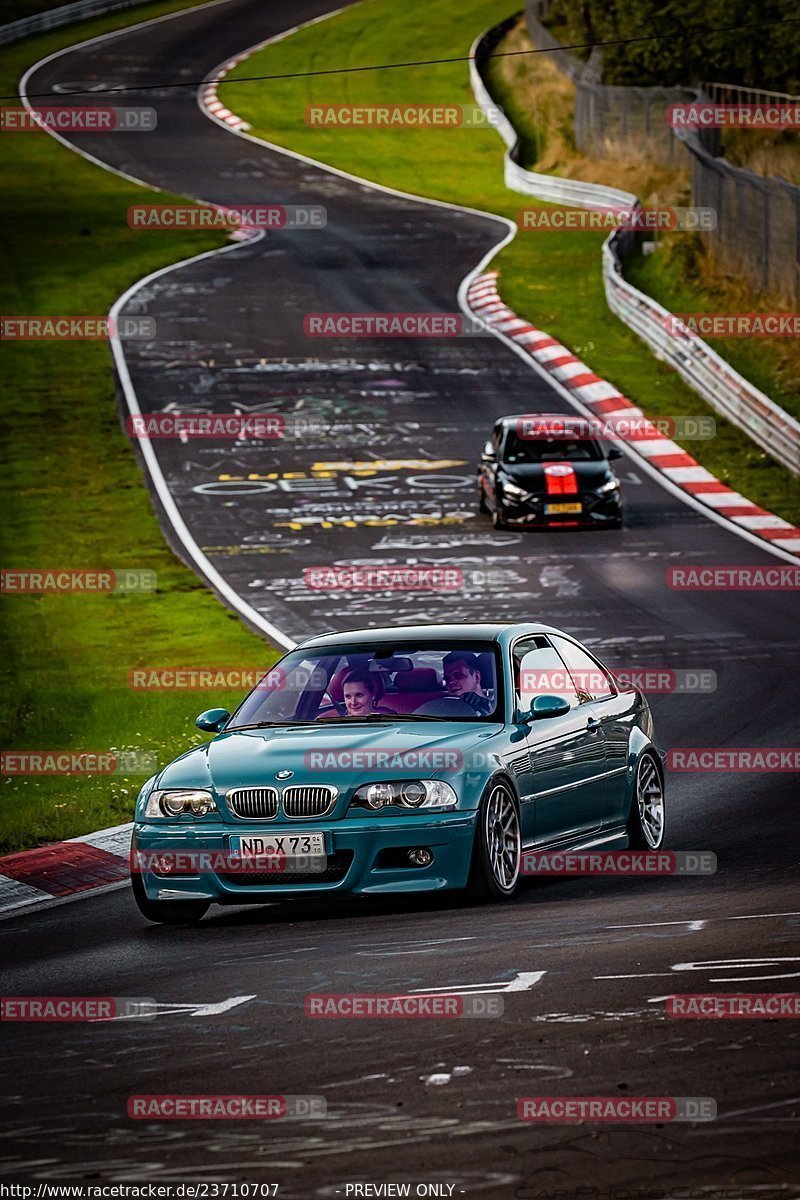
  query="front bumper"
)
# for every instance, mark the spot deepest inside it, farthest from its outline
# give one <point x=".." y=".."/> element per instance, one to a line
<point x="595" y="511"/>
<point x="362" y="856"/>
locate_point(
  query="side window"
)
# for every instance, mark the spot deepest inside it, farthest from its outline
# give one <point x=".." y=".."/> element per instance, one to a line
<point x="592" y="681"/>
<point x="538" y="671"/>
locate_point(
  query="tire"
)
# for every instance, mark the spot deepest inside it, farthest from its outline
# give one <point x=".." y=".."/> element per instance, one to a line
<point x="493" y="875"/>
<point x="168" y="912"/>
<point x="647" y="820"/>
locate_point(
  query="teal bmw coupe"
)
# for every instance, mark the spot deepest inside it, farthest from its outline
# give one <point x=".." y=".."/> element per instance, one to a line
<point x="407" y="759"/>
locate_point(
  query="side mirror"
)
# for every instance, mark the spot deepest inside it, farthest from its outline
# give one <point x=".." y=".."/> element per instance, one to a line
<point x="614" y="452"/>
<point x="488" y="454"/>
<point x="548" y="706"/>
<point x="212" y="720"/>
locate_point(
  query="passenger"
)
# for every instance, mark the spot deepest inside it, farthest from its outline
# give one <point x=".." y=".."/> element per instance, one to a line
<point x="363" y="691"/>
<point x="462" y="677"/>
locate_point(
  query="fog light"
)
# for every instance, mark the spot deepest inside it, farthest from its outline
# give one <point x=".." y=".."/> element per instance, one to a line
<point x="421" y="857"/>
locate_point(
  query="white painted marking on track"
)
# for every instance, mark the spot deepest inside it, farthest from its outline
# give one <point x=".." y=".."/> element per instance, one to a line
<point x="744" y="1112"/>
<point x="523" y="981"/>
<point x="195" y="1009"/>
<point x="706" y="920"/>
<point x="469" y="281"/>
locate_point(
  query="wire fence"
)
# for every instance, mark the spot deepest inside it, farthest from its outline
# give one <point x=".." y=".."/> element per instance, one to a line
<point x="612" y="121"/>
<point x="757" y="234"/>
<point x="702" y="368"/>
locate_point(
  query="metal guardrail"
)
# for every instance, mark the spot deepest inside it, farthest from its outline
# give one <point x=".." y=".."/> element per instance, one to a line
<point x="65" y="14"/>
<point x="728" y="393"/>
<point x="545" y="187"/>
<point x="702" y="368"/>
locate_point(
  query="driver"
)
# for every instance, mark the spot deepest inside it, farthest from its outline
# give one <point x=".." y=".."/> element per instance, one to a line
<point x="462" y="677"/>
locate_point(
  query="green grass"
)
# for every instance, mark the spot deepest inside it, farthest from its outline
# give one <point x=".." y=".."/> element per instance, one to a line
<point x="553" y="279"/>
<point x="73" y="495"/>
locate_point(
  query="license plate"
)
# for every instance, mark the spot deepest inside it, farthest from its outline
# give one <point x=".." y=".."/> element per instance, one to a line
<point x="551" y="509"/>
<point x="294" y="843"/>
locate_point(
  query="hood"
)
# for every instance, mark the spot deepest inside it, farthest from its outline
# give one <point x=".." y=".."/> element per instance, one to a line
<point x="344" y="755"/>
<point x="532" y="475"/>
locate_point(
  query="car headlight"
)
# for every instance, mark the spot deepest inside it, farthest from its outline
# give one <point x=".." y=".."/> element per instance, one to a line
<point x="611" y="485"/>
<point x="179" y="803"/>
<point x="406" y="793"/>
<point x="514" y="492"/>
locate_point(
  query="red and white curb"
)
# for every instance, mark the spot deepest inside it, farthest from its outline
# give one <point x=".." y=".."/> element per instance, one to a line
<point x="605" y="401"/>
<point x="65" y="869"/>
<point x="211" y="101"/>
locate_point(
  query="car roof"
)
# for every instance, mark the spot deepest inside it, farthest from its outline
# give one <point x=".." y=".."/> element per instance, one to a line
<point x="466" y="632"/>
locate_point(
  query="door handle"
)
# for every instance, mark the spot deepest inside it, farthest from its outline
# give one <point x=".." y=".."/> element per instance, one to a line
<point x="593" y="724"/>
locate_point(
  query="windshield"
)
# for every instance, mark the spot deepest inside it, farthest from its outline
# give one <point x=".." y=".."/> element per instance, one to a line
<point x="555" y="449"/>
<point x="454" y="682"/>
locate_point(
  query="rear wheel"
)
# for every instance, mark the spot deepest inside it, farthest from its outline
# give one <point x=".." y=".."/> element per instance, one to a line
<point x="647" y="822"/>
<point x="494" y="874"/>
<point x="168" y="912"/>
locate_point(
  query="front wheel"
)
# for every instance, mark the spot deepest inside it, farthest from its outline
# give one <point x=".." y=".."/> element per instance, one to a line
<point x="647" y="822"/>
<point x="494" y="874"/>
<point x="168" y="912"/>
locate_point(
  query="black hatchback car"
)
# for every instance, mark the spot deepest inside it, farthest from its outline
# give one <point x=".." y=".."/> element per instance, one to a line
<point x="547" y="470"/>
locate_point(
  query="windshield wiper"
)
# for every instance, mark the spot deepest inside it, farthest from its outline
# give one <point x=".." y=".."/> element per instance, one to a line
<point x="260" y="725"/>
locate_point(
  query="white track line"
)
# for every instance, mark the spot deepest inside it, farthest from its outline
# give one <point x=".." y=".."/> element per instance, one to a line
<point x="641" y="460"/>
<point x="187" y="540"/>
<point x="205" y="568"/>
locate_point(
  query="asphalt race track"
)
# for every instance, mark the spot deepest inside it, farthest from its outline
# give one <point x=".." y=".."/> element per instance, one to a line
<point x="581" y="964"/>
